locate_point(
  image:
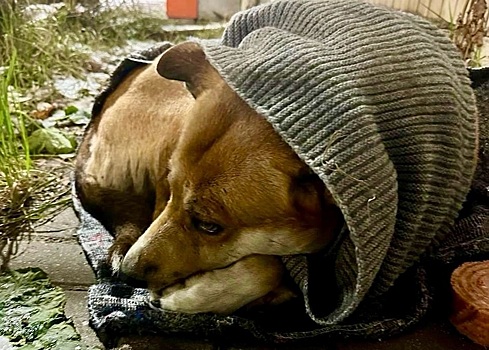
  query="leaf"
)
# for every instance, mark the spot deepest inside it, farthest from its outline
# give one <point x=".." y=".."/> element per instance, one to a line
<point x="67" y="156"/>
<point x="59" y="115"/>
<point x="43" y="110"/>
<point x="48" y="123"/>
<point x="51" y="141"/>
<point x="70" y="110"/>
<point x="32" y="313"/>
<point x="79" y="117"/>
<point x="70" y="114"/>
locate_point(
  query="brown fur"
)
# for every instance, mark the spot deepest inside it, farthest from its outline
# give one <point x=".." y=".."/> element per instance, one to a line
<point x="166" y="164"/>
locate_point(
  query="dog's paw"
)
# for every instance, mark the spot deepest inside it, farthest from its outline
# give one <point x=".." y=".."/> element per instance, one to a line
<point x="116" y="255"/>
<point x="278" y="296"/>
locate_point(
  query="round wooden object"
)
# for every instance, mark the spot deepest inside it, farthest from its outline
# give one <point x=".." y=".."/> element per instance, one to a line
<point x="470" y="284"/>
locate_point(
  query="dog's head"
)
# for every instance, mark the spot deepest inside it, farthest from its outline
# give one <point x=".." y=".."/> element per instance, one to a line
<point x="237" y="188"/>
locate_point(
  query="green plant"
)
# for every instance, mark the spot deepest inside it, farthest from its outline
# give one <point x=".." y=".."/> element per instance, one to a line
<point x="32" y="314"/>
<point x="15" y="162"/>
<point x="14" y="146"/>
<point x="477" y="57"/>
<point x="468" y="30"/>
<point x="27" y="195"/>
<point x="39" y="48"/>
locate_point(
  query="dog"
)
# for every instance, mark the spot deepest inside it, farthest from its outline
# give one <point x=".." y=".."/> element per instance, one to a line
<point x="200" y="193"/>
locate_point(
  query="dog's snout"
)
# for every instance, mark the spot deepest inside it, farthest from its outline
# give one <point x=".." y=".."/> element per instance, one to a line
<point x="137" y="283"/>
<point x="155" y="303"/>
<point x="139" y="267"/>
<point x="149" y="272"/>
<point x="156" y="256"/>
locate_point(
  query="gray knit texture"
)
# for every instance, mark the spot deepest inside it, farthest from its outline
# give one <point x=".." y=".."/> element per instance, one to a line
<point x="379" y="105"/>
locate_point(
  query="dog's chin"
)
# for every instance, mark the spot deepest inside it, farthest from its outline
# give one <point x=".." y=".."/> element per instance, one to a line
<point x="158" y="292"/>
<point x="195" y="294"/>
<point x="222" y="291"/>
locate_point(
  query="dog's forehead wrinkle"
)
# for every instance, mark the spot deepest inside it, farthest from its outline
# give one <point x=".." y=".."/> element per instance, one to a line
<point x="237" y="208"/>
<point x="192" y="208"/>
<point x="225" y="163"/>
<point x="206" y="206"/>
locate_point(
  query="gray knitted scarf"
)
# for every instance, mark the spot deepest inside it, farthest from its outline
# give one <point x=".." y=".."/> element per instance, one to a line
<point x="379" y="105"/>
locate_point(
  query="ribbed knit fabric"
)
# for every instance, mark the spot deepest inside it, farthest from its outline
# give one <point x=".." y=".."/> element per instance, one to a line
<point x="379" y="105"/>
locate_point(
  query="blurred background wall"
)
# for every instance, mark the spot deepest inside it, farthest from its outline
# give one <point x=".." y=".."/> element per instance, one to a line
<point x="223" y="9"/>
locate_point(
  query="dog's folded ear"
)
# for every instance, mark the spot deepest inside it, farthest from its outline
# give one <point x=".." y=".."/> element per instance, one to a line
<point x="308" y="192"/>
<point x="310" y="196"/>
<point x="186" y="62"/>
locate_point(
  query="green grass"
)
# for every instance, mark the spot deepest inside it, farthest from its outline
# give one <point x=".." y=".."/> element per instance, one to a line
<point x="52" y="46"/>
<point x="45" y="48"/>
<point x="14" y="147"/>
<point x="15" y="167"/>
<point x="28" y="196"/>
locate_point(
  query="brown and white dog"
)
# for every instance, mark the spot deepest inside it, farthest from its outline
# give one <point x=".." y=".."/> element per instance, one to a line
<point x="201" y="193"/>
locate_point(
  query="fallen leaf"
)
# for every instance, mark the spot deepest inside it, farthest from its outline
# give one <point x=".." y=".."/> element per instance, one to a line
<point x="94" y="65"/>
<point x="80" y="118"/>
<point x="70" y="110"/>
<point x="57" y="116"/>
<point x="51" y="141"/>
<point x="43" y="110"/>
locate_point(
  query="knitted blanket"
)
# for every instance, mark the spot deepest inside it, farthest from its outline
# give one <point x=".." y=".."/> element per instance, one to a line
<point x="379" y="105"/>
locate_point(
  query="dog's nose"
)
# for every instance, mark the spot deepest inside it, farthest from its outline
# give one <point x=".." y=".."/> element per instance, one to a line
<point x="139" y="266"/>
<point x="155" y="303"/>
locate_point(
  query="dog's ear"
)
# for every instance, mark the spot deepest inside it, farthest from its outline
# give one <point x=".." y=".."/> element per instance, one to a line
<point x="310" y="196"/>
<point x="187" y="62"/>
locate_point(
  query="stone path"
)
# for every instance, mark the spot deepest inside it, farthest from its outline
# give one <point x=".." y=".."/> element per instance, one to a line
<point x="55" y="249"/>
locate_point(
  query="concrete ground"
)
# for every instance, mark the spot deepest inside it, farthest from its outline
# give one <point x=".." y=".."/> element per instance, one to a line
<point x="56" y="250"/>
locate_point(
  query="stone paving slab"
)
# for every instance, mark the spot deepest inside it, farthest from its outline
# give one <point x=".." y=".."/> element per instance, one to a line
<point x="62" y="260"/>
<point x="55" y="249"/>
<point x="62" y="226"/>
<point x="76" y="309"/>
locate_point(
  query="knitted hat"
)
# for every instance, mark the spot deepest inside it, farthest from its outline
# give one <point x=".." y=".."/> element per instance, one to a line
<point x="378" y="104"/>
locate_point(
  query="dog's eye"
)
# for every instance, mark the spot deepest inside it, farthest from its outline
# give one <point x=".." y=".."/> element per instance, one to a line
<point x="207" y="227"/>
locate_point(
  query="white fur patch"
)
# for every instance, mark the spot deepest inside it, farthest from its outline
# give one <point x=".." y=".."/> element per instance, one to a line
<point x="226" y="290"/>
<point x="116" y="263"/>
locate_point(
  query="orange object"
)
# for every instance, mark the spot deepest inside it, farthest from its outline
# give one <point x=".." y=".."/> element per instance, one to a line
<point x="470" y="285"/>
<point x="187" y="9"/>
